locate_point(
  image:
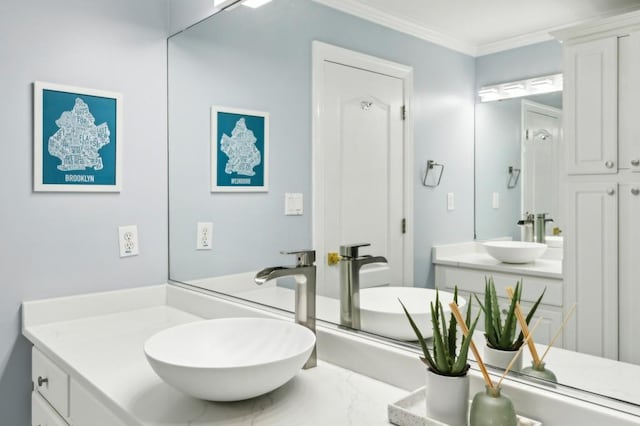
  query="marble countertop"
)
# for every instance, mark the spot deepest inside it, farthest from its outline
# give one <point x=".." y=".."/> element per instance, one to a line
<point x="474" y="256"/>
<point x="104" y="353"/>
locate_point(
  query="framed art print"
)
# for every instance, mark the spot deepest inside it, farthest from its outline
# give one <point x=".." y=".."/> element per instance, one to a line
<point x="239" y="150"/>
<point x="77" y="143"/>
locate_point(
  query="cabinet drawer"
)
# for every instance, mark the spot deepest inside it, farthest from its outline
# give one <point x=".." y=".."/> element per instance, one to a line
<point x="472" y="280"/>
<point x="50" y="381"/>
<point x="42" y="414"/>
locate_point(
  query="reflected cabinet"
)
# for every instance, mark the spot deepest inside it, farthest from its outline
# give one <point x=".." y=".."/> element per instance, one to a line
<point x="602" y="186"/>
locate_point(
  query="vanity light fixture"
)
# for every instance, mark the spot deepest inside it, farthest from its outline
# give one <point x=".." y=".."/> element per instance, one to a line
<point x="255" y="3"/>
<point x="515" y="89"/>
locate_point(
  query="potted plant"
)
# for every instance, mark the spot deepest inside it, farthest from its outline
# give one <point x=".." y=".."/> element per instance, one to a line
<point x="447" y="383"/>
<point x="502" y="343"/>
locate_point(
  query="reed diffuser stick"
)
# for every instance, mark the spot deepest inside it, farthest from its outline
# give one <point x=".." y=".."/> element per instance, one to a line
<point x="566" y="319"/>
<point x="513" y="360"/>
<point x="525" y="329"/>
<point x="463" y="326"/>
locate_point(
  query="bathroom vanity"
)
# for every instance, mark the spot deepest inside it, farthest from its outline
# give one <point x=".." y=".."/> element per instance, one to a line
<point x="89" y="369"/>
<point x="467" y="265"/>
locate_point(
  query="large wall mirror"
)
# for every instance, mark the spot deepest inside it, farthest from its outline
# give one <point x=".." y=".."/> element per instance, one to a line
<point x="261" y="60"/>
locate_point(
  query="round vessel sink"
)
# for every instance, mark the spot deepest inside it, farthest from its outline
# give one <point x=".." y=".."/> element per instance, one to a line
<point x="229" y="359"/>
<point x="382" y="314"/>
<point x="515" y="251"/>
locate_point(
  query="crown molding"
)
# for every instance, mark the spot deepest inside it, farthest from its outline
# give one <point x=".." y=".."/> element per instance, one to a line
<point x="626" y="18"/>
<point x="617" y="25"/>
<point x="369" y="13"/>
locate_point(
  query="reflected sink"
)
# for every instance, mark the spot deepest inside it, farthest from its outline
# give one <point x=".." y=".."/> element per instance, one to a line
<point x="382" y="314"/>
<point x="515" y="251"/>
<point x="229" y="359"/>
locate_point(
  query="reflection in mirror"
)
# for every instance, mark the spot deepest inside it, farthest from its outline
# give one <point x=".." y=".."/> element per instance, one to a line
<point x="261" y="60"/>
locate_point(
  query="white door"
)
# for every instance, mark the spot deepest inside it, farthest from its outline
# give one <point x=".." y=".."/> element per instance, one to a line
<point x="360" y="128"/>
<point x="540" y="175"/>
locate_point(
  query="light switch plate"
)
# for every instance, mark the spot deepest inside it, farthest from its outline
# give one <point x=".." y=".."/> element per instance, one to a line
<point x="450" y="201"/>
<point x="293" y="202"/>
<point x="495" y="200"/>
<point x="205" y="236"/>
<point x="128" y="240"/>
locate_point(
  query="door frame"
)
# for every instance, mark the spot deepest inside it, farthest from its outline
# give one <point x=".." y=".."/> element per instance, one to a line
<point x="322" y="52"/>
<point x="531" y="106"/>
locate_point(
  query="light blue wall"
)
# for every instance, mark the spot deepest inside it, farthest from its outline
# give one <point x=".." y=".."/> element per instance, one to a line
<point x="498" y="133"/>
<point x="55" y="244"/>
<point x="226" y="64"/>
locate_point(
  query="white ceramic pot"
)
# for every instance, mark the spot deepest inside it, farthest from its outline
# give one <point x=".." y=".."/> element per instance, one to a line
<point x="447" y="398"/>
<point x="501" y="359"/>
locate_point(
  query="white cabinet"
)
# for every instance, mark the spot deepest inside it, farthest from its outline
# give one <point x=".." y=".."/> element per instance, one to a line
<point x="628" y="95"/>
<point x="58" y="400"/>
<point x="590" y="106"/>
<point x="472" y="281"/>
<point x="591" y="267"/>
<point x="602" y="147"/>
<point x="629" y="271"/>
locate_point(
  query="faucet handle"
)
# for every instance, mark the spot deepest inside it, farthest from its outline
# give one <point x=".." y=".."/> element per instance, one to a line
<point x="351" y="250"/>
<point x="303" y="257"/>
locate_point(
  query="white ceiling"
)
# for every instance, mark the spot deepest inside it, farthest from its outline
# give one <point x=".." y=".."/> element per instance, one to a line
<point x="479" y="27"/>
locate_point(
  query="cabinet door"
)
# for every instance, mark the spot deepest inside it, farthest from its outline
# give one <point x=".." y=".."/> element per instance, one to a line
<point x="629" y="270"/>
<point x="628" y="95"/>
<point x="590" y="102"/>
<point x="42" y="414"/>
<point x="591" y="268"/>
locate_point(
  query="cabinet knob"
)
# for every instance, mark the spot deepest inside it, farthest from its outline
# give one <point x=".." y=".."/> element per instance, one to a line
<point x="635" y="162"/>
<point x="611" y="191"/>
<point x="635" y="191"/>
<point x="42" y="381"/>
<point x="609" y="164"/>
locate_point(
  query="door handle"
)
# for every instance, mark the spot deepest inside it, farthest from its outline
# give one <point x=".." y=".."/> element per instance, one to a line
<point x="635" y="162"/>
<point x="609" y="164"/>
<point x="611" y="191"/>
<point x="635" y="191"/>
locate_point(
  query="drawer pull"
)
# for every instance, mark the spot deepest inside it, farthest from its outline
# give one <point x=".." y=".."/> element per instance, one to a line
<point x="42" y="381"/>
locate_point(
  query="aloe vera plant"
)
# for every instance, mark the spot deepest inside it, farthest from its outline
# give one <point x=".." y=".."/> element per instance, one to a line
<point x="446" y="359"/>
<point x="502" y="334"/>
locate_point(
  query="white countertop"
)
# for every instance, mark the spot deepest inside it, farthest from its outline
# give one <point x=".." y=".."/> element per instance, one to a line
<point x="104" y="353"/>
<point x="473" y="255"/>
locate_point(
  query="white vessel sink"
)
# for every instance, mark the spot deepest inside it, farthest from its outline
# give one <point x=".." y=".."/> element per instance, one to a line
<point x="382" y="314"/>
<point x="229" y="359"/>
<point x="515" y="251"/>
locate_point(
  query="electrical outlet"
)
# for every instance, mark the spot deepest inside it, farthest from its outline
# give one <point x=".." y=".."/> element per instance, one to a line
<point x="205" y="236"/>
<point x="128" y="239"/>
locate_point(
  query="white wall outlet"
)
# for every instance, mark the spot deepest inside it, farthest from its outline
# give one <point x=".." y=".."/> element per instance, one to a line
<point x="495" y="200"/>
<point x="293" y="203"/>
<point x="450" y="201"/>
<point x="128" y="240"/>
<point x="205" y="236"/>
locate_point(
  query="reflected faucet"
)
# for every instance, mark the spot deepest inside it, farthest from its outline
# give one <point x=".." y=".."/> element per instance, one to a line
<point x="304" y="273"/>
<point x="350" y="264"/>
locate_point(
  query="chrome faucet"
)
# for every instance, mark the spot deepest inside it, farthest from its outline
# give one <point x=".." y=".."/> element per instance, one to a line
<point x="304" y="273"/>
<point x="350" y="264"/>
<point x="540" y="227"/>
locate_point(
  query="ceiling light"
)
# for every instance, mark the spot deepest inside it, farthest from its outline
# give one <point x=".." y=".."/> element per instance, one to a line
<point x="515" y="89"/>
<point x="255" y="3"/>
